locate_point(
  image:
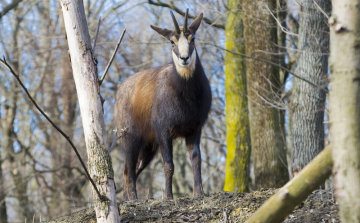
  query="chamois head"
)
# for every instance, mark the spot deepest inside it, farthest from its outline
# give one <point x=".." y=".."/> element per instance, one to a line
<point x="183" y="44"/>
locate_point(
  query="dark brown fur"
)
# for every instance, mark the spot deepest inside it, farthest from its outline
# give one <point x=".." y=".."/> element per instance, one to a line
<point x="152" y="108"/>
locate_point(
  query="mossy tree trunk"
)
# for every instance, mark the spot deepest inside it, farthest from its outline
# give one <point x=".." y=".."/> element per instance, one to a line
<point x="263" y="87"/>
<point x="86" y="81"/>
<point x="283" y="202"/>
<point x="307" y="103"/>
<point x="344" y="106"/>
<point x="237" y="118"/>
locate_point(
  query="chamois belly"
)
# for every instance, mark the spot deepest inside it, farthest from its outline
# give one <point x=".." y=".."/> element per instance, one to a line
<point x="182" y="120"/>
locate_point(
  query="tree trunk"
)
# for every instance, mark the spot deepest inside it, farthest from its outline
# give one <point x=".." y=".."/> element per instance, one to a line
<point x="3" y="215"/>
<point x="345" y="106"/>
<point x="86" y="80"/>
<point x="308" y="102"/>
<point x="17" y="166"/>
<point x="263" y="87"/>
<point x="237" y="115"/>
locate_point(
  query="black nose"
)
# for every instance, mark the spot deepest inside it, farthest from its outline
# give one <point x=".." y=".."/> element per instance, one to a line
<point x="184" y="58"/>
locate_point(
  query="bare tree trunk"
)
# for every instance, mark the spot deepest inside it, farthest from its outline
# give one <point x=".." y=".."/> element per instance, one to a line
<point x="15" y="159"/>
<point x="308" y="102"/>
<point x="86" y="80"/>
<point x="345" y="106"/>
<point x="3" y="215"/>
<point x="263" y="87"/>
<point x="237" y="115"/>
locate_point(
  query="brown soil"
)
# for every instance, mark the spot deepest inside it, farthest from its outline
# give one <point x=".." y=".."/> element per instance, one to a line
<point x="320" y="206"/>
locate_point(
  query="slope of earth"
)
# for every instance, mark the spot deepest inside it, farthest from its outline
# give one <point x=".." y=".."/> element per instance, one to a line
<point x="320" y="206"/>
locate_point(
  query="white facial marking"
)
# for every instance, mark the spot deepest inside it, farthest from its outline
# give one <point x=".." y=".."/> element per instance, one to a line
<point x="183" y="46"/>
<point x="184" y="71"/>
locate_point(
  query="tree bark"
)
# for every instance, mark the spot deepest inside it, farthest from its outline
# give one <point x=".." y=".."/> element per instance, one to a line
<point x="236" y="108"/>
<point x="307" y="102"/>
<point x="263" y="88"/>
<point x="3" y="214"/>
<point x="15" y="160"/>
<point x="295" y="191"/>
<point x="344" y="106"/>
<point x="86" y="81"/>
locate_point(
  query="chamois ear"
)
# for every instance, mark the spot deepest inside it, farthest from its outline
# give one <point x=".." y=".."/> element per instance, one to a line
<point x="195" y="24"/>
<point x="164" y="32"/>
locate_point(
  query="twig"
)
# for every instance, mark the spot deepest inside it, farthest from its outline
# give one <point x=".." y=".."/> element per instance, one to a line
<point x="281" y="27"/>
<point x="96" y="36"/>
<point x="114" y="140"/>
<point x="321" y="10"/>
<point x="274" y="64"/>
<point x="176" y="9"/>
<point x="101" y="197"/>
<point x="9" y="7"/>
<point x="112" y="58"/>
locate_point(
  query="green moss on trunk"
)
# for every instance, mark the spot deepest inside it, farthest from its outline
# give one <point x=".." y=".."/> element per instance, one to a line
<point x="237" y="120"/>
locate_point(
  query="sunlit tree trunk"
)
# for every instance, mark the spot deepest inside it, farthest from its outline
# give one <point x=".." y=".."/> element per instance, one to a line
<point x="307" y="103"/>
<point x="263" y="87"/>
<point x="236" y="110"/>
<point x="344" y="106"/>
<point x="86" y="80"/>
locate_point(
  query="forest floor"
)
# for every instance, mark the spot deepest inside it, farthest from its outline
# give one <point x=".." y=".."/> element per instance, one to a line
<point x="320" y="206"/>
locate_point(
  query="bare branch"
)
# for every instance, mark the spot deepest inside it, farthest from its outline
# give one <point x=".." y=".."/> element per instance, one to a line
<point x="176" y="9"/>
<point x="320" y="9"/>
<point x="281" y="27"/>
<point x="114" y="140"/>
<point x="274" y="64"/>
<point x="96" y="36"/>
<point x="9" y="7"/>
<point x="53" y="124"/>
<point x="112" y="58"/>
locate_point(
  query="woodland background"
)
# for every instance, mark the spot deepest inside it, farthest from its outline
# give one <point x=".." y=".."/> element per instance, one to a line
<point x="275" y="123"/>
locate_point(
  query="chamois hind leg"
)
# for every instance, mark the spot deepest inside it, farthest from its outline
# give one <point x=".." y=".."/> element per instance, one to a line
<point x="145" y="157"/>
<point x="131" y="146"/>
<point x="193" y="147"/>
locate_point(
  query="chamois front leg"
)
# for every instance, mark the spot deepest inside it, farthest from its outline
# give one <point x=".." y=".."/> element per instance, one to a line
<point x="193" y="147"/>
<point x="165" y="143"/>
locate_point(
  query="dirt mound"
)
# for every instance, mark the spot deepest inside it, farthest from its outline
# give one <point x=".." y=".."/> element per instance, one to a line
<point x="320" y="206"/>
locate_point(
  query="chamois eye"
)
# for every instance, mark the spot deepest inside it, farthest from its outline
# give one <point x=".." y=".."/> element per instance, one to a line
<point x="172" y="42"/>
<point x="192" y="39"/>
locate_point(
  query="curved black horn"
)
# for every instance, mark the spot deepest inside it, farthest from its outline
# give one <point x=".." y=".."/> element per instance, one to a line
<point x="186" y="20"/>
<point x="177" y="29"/>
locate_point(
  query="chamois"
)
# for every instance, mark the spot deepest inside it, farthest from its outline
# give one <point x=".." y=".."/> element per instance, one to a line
<point x="155" y="106"/>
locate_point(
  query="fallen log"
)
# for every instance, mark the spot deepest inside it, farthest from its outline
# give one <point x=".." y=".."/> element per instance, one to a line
<point x="283" y="202"/>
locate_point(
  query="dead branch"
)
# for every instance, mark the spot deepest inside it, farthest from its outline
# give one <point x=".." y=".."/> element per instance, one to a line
<point x="112" y="58"/>
<point x="96" y="35"/>
<point x="295" y="191"/>
<point x="9" y="7"/>
<point x="176" y="9"/>
<point x="274" y="64"/>
<point x="3" y="61"/>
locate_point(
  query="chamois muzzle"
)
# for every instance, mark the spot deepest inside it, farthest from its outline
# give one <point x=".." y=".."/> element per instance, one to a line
<point x="184" y="59"/>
